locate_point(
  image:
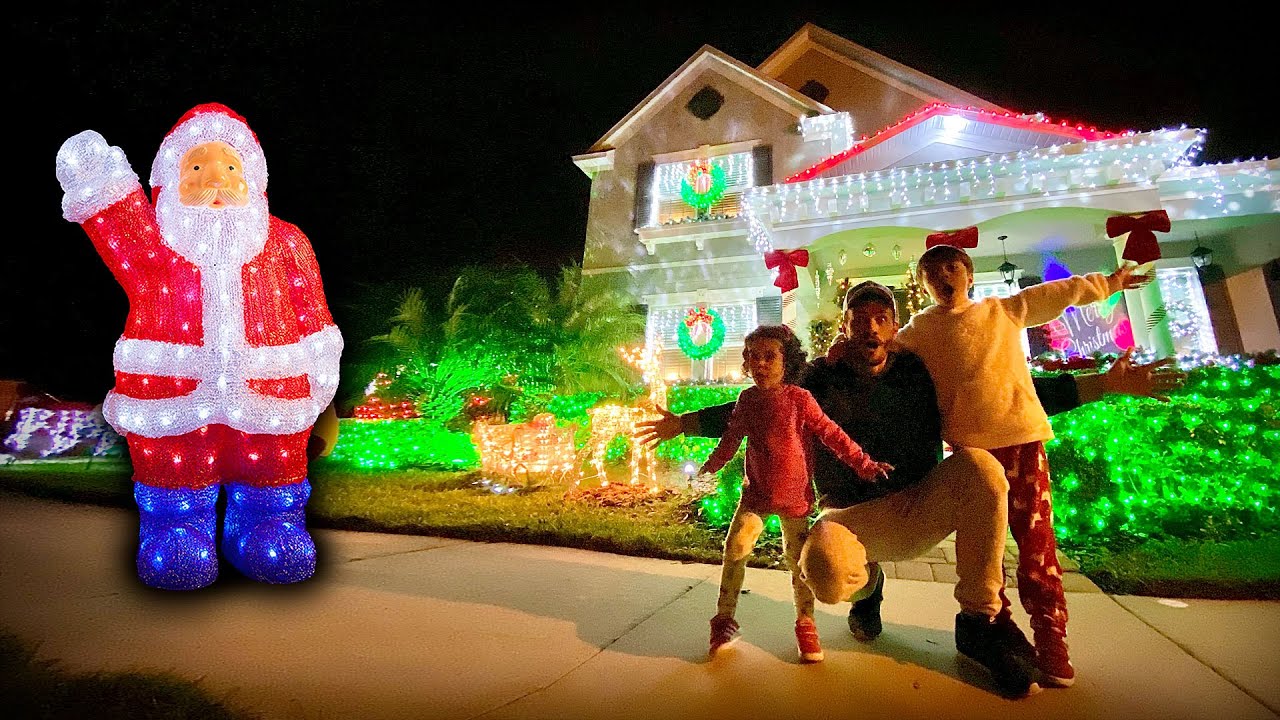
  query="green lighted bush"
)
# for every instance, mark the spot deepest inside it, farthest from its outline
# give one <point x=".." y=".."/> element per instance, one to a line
<point x="1205" y="465"/>
<point x="687" y="398"/>
<point x="391" y="444"/>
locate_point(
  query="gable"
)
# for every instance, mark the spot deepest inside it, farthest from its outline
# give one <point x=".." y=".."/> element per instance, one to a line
<point x="871" y="102"/>
<point x="860" y="80"/>
<point x="684" y="82"/>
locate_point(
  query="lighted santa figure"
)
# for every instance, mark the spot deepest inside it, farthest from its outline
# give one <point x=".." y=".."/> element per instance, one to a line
<point x="228" y="354"/>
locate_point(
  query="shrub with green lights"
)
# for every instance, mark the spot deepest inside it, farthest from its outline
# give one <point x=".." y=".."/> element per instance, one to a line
<point x="1205" y="465"/>
<point x="397" y="444"/>
<point x="426" y="443"/>
<point x="685" y="398"/>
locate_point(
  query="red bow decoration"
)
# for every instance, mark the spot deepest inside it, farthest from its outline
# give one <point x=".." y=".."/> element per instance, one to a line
<point x="697" y="315"/>
<point x="963" y="238"/>
<point x="1141" y="247"/>
<point x="786" y="261"/>
<point x="699" y="177"/>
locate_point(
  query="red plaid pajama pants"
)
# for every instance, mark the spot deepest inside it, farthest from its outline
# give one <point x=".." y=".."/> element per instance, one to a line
<point x="1031" y="522"/>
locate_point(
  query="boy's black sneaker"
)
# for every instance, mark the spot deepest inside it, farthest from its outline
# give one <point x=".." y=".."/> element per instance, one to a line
<point x="1017" y="639"/>
<point x="995" y="646"/>
<point x="864" y="616"/>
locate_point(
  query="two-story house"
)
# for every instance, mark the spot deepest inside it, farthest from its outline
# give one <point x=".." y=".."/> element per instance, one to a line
<point x="842" y="152"/>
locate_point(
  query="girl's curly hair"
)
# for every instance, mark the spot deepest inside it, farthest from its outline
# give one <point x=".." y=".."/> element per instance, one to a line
<point x="794" y="358"/>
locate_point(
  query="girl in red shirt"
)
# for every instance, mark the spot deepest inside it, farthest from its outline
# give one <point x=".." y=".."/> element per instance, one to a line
<point x="778" y="419"/>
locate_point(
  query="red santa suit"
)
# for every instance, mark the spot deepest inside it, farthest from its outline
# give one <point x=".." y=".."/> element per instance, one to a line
<point x="229" y="352"/>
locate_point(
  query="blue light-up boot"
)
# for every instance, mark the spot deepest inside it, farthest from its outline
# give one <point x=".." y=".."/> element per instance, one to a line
<point x="176" y="548"/>
<point x="265" y="535"/>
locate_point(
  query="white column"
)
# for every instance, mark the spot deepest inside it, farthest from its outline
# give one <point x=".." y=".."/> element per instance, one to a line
<point x="1146" y="309"/>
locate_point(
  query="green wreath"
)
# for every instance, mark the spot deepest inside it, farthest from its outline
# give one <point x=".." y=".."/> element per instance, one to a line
<point x="704" y="200"/>
<point x="710" y="347"/>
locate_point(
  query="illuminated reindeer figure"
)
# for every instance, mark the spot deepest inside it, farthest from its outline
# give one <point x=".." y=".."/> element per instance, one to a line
<point x="608" y="421"/>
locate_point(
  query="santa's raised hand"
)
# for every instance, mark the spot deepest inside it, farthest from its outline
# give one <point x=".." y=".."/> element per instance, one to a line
<point x="93" y="175"/>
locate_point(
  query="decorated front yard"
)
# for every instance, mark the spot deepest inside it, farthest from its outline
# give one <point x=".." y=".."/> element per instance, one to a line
<point x="507" y="415"/>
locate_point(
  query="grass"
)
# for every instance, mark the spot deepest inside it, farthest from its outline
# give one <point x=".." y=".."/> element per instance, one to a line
<point x="31" y="688"/>
<point x="102" y="482"/>
<point x="1232" y="570"/>
<point x="450" y="504"/>
<point x="617" y="520"/>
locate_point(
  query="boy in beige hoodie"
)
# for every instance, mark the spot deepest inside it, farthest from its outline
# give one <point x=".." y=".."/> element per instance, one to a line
<point x="974" y="353"/>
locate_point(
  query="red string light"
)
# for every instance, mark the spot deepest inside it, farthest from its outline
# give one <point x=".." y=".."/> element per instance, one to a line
<point x="1007" y="119"/>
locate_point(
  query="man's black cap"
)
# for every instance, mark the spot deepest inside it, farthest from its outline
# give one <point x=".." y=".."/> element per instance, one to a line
<point x="869" y="290"/>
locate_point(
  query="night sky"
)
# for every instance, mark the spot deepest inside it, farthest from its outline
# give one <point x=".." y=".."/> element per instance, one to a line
<point x="407" y="144"/>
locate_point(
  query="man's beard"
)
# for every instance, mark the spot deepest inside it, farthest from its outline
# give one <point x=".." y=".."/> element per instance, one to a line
<point x="208" y="237"/>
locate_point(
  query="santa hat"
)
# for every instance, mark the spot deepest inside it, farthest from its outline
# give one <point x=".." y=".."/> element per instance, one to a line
<point x="210" y="122"/>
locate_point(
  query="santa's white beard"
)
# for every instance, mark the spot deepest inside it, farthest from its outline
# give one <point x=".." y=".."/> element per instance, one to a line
<point x="210" y="237"/>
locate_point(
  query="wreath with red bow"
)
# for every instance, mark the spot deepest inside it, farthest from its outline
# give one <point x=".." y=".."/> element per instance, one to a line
<point x="701" y="333"/>
<point x="703" y="185"/>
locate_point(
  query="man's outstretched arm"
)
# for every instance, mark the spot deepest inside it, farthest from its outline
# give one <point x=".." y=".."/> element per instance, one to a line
<point x="707" y="422"/>
<point x="1060" y="393"/>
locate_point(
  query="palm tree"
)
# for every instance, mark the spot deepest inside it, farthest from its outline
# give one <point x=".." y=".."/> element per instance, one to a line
<point x="411" y="333"/>
<point x="588" y="325"/>
<point x="564" y="339"/>
<point x="433" y="373"/>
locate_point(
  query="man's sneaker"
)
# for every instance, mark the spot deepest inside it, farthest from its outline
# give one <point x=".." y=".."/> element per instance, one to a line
<point x="724" y="630"/>
<point x="864" y="616"/>
<point x="807" y="641"/>
<point x="990" y="644"/>
<point x="1053" y="660"/>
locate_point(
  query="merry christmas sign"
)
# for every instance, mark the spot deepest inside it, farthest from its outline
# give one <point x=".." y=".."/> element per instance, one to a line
<point x="1102" y="327"/>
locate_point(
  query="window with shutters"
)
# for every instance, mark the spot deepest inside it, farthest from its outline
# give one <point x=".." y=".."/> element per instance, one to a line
<point x="700" y="190"/>
<point x="769" y="309"/>
<point x="739" y="319"/>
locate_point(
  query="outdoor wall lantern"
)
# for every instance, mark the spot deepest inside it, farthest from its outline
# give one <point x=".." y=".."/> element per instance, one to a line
<point x="1201" y="256"/>
<point x="1007" y="269"/>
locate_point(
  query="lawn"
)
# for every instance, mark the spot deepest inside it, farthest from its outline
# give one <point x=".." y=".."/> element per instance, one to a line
<point x="616" y="519"/>
<point x="623" y="521"/>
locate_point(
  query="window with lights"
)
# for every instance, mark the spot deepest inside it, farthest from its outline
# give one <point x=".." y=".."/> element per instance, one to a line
<point x="701" y="189"/>
<point x="1188" y="314"/>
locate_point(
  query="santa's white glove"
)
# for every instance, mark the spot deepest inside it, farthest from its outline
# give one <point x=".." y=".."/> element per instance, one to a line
<point x="93" y="174"/>
<point x="324" y="350"/>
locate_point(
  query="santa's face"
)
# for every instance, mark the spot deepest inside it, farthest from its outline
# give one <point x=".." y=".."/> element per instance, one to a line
<point x="211" y="218"/>
<point x="212" y="175"/>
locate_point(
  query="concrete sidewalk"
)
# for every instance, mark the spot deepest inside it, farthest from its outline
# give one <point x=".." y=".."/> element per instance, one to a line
<point x="419" y="627"/>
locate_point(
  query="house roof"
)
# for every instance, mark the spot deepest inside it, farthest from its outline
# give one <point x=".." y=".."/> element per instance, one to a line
<point x="708" y="58"/>
<point x="1038" y="124"/>
<point x="913" y="82"/>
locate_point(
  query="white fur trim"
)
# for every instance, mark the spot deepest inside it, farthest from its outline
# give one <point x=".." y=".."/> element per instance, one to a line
<point x="204" y="128"/>
<point x="239" y="408"/>
<point x="225" y="399"/>
<point x="223" y="395"/>
<point x="94" y="176"/>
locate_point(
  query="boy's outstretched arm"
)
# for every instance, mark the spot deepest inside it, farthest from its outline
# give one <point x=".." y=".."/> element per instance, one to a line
<point x="1041" y="303"/>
